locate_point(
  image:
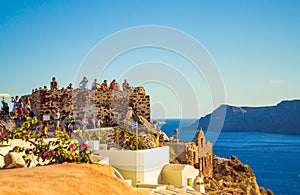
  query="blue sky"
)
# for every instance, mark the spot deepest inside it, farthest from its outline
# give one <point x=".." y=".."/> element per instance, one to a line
<point x="256" y="45"/>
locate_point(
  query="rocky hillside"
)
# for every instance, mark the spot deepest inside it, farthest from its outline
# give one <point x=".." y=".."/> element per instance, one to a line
<point x="282" y="118"/>
<point x="230" y="176"/>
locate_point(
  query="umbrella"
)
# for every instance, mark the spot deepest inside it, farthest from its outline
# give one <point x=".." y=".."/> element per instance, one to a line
<point x="4" y="95"/>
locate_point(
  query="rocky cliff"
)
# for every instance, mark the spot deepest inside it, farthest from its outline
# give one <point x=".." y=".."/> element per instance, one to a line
<point x="282" y="118"/>
<point x="231" y="176"/>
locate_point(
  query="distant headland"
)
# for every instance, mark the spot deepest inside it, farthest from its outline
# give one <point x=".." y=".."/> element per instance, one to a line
<point x="282" y="118"/>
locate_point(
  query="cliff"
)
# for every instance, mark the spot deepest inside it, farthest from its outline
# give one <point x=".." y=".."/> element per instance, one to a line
<point x="231" y="176"/>
<point x="282" y="118"/>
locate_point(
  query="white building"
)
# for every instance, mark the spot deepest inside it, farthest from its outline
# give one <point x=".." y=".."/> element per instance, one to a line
<point x="141" y="166"/>
<point x="178" y="175"/>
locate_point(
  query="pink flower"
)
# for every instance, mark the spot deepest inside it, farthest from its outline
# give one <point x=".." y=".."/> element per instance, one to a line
<point x="40" y="154"/>
<point x="45" y="155"/>
<point x="2" y="134"/>
<point x="72" y="145"/>
<point x="48" y="153"/>
<point x="84" y="145"/>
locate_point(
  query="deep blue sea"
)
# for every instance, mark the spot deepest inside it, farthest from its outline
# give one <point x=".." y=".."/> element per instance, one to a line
<point x="274" y="158"/>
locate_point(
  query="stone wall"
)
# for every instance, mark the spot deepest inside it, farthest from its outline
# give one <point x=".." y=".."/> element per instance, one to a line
<point x="198" y="154"/>
<point x="205" y="155"/>
<point x="91" y="102"/>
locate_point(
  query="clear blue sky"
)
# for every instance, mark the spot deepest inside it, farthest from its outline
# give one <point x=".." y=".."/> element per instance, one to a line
<point x="256" y="45"/>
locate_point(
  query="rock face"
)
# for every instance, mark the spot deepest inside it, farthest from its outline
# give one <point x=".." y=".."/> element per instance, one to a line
<point x="231" y="176"/>
<point x="282" y="118"/>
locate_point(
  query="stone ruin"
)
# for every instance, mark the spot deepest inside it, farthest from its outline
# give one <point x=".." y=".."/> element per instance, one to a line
<point x="91" y="102"/>
<point x="198" y="154"/>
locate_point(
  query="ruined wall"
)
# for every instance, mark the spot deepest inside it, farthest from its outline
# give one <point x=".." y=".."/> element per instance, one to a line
<point x="198" y="154"/>
<point x="205" y="152"/>
<point x="205" y="164"/>
<point x="91" y="102"/>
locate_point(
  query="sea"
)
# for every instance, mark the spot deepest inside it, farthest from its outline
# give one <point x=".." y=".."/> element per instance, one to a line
<point x="274" y="158"/>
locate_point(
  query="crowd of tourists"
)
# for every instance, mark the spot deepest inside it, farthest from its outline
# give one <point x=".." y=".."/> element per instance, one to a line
<point x="63" y="120"/>
<point x="20" y="109"/>
<point x="104" y="86"/>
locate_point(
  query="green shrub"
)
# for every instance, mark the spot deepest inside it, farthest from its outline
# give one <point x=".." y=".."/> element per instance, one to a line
<point x="133" y="142"/>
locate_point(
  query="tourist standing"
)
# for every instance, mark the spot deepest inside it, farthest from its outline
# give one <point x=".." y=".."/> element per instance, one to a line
<point x="109" y="120"/>
<point x="20" y="109"/>
<point x="135" y="115"/>
<point x="56" y="119"/>
<point x="93" y="121"/>
<point x="129" y="113"/>
<point x="85" y="122"/>
<point x="161" y="137"/>
<point x="15" y="101"/>
<point x="27" y="104"/>
<point x="99" y="122"/>
<point x="69" y="123"/>
<point x="175" y="135"/>
<point x="155" y="125"/>
<point x="83" y="83"/>
<point x="6" y="109"/>
<point x="3" y="105"/>
<point x="31" y="113"/>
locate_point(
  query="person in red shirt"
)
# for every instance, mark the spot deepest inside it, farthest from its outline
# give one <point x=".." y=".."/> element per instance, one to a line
<point x="104" y="86"/>
<point x="112" y="85"/>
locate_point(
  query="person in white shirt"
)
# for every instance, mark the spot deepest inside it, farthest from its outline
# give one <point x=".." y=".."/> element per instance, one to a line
<point x="56" y="118"/>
